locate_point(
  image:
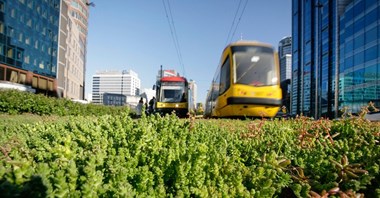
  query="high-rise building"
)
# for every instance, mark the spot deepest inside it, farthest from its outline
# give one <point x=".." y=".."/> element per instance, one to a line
<point x="29" y="43"/>
<point x="125" y="83"/>
<point x="359" y="54"/>
<point x="335" y="51"/>
<point x="43" y="46"/>
<point x="72" y="48"/>
<point x="285" y="57"/>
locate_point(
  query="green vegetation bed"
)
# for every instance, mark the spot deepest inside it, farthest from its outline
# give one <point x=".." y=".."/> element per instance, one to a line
<point x="117" y="156"/>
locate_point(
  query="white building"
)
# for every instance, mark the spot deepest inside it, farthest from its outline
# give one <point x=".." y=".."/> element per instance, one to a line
<point x="193" y="88"/>
<point x="117" y="82"/>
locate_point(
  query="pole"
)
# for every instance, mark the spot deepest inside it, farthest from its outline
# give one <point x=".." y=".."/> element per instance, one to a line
<point x="161" y="72"/>
<point x="318" y="61"/>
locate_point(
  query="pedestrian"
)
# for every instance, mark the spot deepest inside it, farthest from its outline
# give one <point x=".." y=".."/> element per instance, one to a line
<point x="152" y="102"/>
<point x="140" y="107"/>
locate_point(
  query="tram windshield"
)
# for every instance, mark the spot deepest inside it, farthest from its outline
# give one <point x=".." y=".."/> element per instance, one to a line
<point x="173" y="92"/>
<point x="254" y="65"/>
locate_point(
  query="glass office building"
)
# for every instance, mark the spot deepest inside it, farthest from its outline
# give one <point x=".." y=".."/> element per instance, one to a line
<point x="359" y="54"/>
<point x="285" y="57"/>
<point x="28" y="43"/>
<point x="335" y="56"/>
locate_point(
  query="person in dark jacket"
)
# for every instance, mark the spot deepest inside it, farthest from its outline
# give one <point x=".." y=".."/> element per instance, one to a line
<point x="152" y="102"/>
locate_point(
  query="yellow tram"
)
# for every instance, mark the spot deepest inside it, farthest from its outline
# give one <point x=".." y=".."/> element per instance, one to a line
<point x="173" y="95"/>
<point x="246" y="82"/>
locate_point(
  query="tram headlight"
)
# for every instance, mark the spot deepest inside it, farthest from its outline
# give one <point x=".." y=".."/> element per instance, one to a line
<point x="274" y="80"/>
<point x="176" y="105"/>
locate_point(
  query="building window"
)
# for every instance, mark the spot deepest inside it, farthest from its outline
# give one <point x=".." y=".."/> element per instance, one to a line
<point x="22" y="18"/>
<point x="359" y="58"/>
<point x="35" y="81"/>
<point x="19" y="55"/>
<point x="359" y="41"/>
<point x="371" y="53"/>
<point x="27" y="40"/>
<point x="1" y="6"/>
<point x="371" y="35"/>
<point x="22" y="78"/>
<point x="20" y="37"/>
<point x="13" y="13"/>
<point x="1" y="28"/>
<point x="2" y="73"/>
<point x="38" y="10"/>
<point x="42" y="83"/>
<point x="27" y="59"/>
<point x="10" y="53"/>
<point x="13" y="76"/>
<point x="11" y="31"/>
<point x="29" y="23"/>
<point x="1" y="49"/>
<point x="30" y="4"/>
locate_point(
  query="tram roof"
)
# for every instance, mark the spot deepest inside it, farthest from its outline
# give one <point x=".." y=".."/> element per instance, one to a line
<point x="247" y="42"/>
<point x="173" y="79"/>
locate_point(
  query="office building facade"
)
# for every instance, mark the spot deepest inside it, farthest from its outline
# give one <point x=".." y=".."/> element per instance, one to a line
<point x="359" y="54"/>
<point x="285" y="58"/>
<point x="72" y="48"/>
<point x="285" y="55"/>
<point x="335" y="52"/>
<point x="41" y="47"/>
<point x="124" y="83"/>
<point x="29" y="43"/>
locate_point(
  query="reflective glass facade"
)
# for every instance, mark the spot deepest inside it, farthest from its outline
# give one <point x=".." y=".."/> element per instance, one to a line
<point x="359" y="63"/>
<point x="335" y="56"/>
<point x="28" y="41"/>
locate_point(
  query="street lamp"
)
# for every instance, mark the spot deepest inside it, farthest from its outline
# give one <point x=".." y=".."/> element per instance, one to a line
<point x="90" y="4"/>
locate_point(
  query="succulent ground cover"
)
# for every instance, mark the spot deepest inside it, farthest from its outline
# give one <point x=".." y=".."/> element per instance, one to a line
<point x="115" y="155"/>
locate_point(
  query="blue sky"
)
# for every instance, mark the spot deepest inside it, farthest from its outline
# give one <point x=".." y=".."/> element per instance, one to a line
<point x="135" y="35"/>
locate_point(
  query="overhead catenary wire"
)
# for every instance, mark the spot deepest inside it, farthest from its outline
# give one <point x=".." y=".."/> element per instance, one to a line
<point x="173" y="32"/>
<point x="233" y="23"/>
<point x="234" y="28"/>
<point x="176" y="37"/>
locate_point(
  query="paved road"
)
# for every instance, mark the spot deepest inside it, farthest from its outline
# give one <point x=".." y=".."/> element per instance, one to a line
<point x="373" y="117"/>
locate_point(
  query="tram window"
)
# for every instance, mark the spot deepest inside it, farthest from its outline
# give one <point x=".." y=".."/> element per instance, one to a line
<point x="225" y="76"/>
<point x="254" y="68"/>
<point x="169" y="94"/>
